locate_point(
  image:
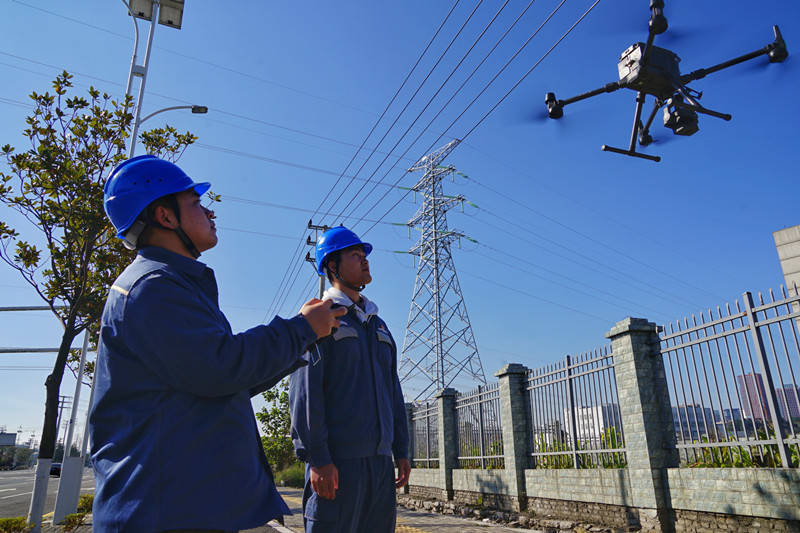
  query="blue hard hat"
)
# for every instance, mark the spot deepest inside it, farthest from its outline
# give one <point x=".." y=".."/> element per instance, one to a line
<point x="135" y="183"/>
<point x="336" y="239"/>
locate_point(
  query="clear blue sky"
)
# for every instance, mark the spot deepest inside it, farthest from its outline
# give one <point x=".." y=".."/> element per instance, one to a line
<point x="572" y="239"/>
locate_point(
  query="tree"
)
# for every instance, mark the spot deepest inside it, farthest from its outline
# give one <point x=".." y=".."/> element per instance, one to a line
<point x="70" y="255"/>
<point x="14" y="456"/>
<point x="276" y="424"/>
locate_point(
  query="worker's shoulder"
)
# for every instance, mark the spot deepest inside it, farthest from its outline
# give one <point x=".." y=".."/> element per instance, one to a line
<point x="145" y="276"/>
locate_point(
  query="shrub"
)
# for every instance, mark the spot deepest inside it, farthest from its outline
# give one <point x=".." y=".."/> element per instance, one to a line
<point x="17" y="524"/>
<point x="73" y="521"/>
<point x="292" y="476"/>
<point x="85" y="503"/>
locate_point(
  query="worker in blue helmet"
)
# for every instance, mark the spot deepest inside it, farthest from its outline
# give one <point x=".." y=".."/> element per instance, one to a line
<point x="347" y="409"/>
<point x="174" y="441"/>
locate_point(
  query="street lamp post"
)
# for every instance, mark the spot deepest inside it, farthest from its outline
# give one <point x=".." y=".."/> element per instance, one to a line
<point x="165" y="12"/>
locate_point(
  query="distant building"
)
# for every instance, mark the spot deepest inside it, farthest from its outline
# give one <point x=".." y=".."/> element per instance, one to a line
<point x="787" y="244"/>
<point x="753" y="395"/>
<point x="8" y="439"/>
<point x="692" y="421"/>
<point x="592" y="422"/>
<point x="788" y="396"/>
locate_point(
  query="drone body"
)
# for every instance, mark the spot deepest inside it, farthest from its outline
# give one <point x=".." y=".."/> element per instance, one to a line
<point x="652" y="70"/>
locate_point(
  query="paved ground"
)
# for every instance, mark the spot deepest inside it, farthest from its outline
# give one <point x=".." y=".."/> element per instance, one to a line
<point x="407" y="521"/>
<point x="16" y="487"/>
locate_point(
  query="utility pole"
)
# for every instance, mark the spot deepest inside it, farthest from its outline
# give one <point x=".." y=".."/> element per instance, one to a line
<point x="62" y="403"/>
<point x="317" y="229"/>
<point x="439" y="349"/>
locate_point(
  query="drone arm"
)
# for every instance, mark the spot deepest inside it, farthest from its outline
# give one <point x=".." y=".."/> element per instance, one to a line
<point x="555" y="108"/>
<point x="607" y="88"/>
<point x="777" y="52"/>
<point x="695" y="105"/>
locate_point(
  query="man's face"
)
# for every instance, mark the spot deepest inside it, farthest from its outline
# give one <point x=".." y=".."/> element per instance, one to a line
<point x="197" y="221"/>
<point x="353" y="266"/>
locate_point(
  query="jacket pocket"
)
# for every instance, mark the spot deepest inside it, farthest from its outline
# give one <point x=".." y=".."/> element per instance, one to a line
<point x="322" y="510"/>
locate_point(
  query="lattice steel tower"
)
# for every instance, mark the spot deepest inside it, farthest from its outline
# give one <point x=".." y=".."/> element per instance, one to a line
<point x="439" y="349"/>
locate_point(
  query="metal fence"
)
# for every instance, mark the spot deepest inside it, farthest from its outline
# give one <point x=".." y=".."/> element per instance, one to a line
<point x="480" y="433"/>
<point x="424" y="418"/>
<point x="575" y="417"/>
<point x="733" y="380"/>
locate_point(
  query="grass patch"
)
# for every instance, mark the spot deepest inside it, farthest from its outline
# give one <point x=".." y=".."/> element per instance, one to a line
<point x="18" y="524"/>
<point x="292" y="476"/>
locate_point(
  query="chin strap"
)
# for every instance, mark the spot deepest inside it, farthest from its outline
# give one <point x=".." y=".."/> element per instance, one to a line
<point x="349" y="285"/>
<point x="132" y="235"/>
<point x="343" y="282"/>
<point x="187" y="242"/>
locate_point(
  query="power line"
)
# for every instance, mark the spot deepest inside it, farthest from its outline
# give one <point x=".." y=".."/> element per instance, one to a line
<point x="240" y="153"/>
<point x="394" y="97"/>
<point x="419" y="87"/>
<point x="172" y="99"/>
<point x="287" y="207"/>
<point x="592" y="239"/>
<point x="538" y="62"/>
<point x="457" y="91"/>
<point x="432" y="98"/>
<point x="552" y="13"/>
<point x="536" y="297"/>
<point x="626" y="277"/>
<point x="199" y="60"/>
<point x="484" y="89"/>
<point x="327" y="195"/>
<point x="287" y="139"/>
<point x="554" y="273"/>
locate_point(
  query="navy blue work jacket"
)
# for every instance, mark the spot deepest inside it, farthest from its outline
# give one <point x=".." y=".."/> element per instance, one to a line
<point x="349" y="404"/>
<point x="174" y="438"/>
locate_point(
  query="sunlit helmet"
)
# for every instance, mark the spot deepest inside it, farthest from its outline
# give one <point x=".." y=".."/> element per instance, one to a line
<point x="137" y="182"/>
<point x="333" y="240"/>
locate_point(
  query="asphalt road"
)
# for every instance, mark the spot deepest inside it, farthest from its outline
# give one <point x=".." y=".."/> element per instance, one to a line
<point x="16" y="487"/>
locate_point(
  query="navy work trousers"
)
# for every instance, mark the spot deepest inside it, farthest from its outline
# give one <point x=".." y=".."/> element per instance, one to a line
<point x="365" y="501"/>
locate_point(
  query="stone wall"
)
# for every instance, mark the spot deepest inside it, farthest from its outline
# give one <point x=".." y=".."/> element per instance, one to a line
<point x="762" y="492"/>
<point x="613" y="516"/>
<point x="700" y="522"/>
<point x="607" y="486"/>
<point x="651" y="493"/>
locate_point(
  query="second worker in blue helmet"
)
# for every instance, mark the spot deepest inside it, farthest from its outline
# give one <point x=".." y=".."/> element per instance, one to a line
<point x="348" y="414"/>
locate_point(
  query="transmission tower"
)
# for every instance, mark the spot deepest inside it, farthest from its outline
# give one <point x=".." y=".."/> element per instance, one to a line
<point x="439" y="349"/>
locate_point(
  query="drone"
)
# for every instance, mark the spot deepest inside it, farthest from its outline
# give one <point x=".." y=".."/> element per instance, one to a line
<point x="652" y="70"/>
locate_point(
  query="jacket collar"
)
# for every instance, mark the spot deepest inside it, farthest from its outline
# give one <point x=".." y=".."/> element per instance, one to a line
<point x="176" y="261"/>
<point x="339" y="297"/>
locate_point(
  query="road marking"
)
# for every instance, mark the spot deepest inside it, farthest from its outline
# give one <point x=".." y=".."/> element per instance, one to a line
<point x="16" y="495"/>
<point x="279" y="528"/>
<point x="6" y="490"/>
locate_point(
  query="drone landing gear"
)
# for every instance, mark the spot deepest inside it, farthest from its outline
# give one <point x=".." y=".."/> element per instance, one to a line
<point x="635" y="134"/>
<point x="632" y="153"/>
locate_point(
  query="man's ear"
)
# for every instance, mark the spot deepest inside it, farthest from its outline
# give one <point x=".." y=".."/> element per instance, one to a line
<point x="165" y="217"/>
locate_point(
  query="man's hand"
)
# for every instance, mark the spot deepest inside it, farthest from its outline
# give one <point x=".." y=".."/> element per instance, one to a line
<point x="403" y="472"/>
<point x="321" y="317"/>
<point x="325" y="480"/>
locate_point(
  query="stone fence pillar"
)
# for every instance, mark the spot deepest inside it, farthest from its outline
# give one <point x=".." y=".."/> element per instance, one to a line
<point x="448" y="439"/>
<point x="646" y="418"/>
<point x="411" y="438"/>
<point x="515" y="417"/>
